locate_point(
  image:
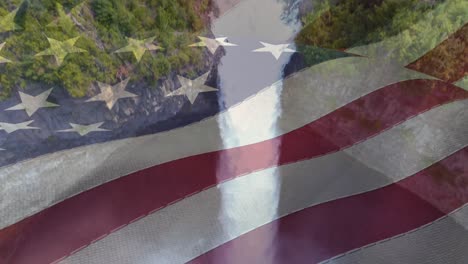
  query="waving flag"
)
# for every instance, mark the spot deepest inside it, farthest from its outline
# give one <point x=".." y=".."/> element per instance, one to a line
<point x="249" y="141"/>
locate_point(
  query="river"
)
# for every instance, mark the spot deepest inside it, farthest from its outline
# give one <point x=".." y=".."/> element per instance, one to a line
<point x="241" y="74"/>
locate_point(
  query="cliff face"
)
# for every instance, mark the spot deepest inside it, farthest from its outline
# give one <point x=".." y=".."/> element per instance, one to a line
<point x="150" y="112"/>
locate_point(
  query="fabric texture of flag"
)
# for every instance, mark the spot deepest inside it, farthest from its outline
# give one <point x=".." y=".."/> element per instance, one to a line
<point x="233" y="131"/>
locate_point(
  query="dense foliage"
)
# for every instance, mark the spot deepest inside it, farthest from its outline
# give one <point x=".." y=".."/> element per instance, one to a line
<point x="343" y="24"/>
<point x="357" y="22"/>
<point x="103" y="26"/>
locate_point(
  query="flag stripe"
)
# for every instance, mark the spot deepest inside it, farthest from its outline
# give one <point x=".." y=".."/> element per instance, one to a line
<point x="307" y="96"/>
<point x="442" y="241"/>
<point x="85" y="217"/>
<point x="323" y="231"/>
<point x="200" y="223"/>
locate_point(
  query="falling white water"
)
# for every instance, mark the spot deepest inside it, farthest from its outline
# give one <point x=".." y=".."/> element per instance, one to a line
<point x="243" y="73"/>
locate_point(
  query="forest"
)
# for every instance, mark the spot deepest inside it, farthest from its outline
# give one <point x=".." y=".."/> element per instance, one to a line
<point x="103" y="27"/>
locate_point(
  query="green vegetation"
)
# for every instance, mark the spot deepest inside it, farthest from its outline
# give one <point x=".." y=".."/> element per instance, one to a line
<point x="103" y="27"/>
<point x="357" y="22"/>
<point x="407" y="28"/>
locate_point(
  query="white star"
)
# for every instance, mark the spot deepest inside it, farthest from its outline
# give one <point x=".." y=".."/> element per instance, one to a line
<point x="7" y="23"/>
<point x="2" y="59"/>
<point x="83" y="130"/>
<point x="111" y="94"/>
<point x="60" y="49"/>
<point x="10" y="128"/>
<point x="65" y="20"/>
<point x="276" y="50"/>
<point x="212" y="44"/>
<point x="32" y="103"/>
<point x="139" y="47"/>
<point x="191" y="88"/>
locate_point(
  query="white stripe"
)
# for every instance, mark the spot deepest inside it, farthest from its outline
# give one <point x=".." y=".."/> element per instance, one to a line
<point x="194" y="226"/>
<point x="435" y="27"/>
<point x="307" y="96"/>
<point x="442" y="241"/>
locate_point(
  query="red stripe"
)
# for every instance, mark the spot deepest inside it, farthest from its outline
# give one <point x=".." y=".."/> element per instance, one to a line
<point x="75" y="222"/>
<point x="326" y="230"/>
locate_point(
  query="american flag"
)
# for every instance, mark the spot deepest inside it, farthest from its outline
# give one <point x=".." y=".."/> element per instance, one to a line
<point x="257" y="155"/>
